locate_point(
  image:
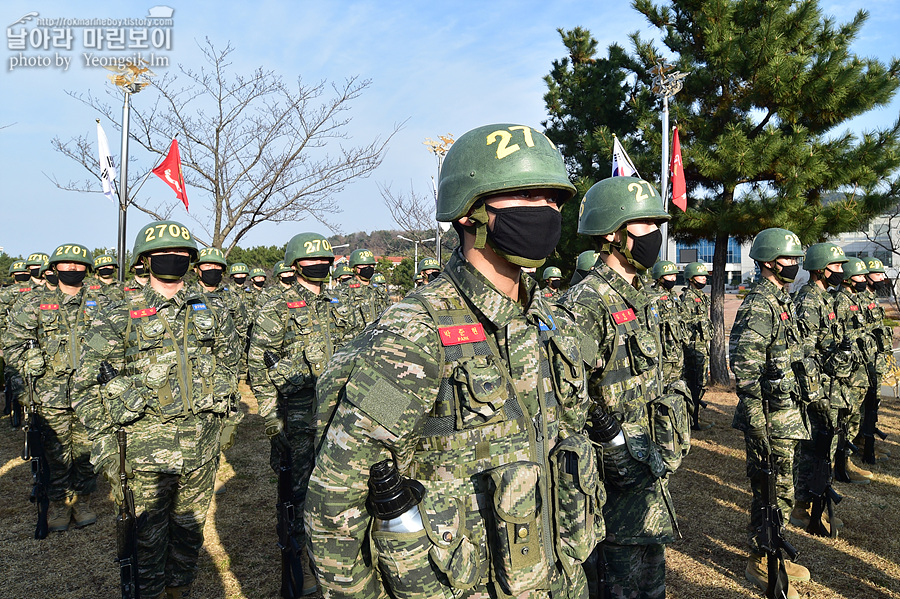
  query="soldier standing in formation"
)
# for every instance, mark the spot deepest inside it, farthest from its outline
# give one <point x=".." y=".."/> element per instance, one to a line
<point x="105" y="268"/>
<point x="56" y="322"/>
<point x="673" y="329"/>
<point x="138" y="282"/>
<point x="429" y="268"/>
<point x="175" y="353"/>
<point x="359" y="293"/>
<point x="877" y="285"/>
<point x="815" y="317"/>
<point x="583" y="264"/>
<point x="622" y="348"/>
<point x="475" y="389"/>
<point x="301" y="328"/>
<point x="699" y="334"/>
<point x="552" y="278"/>
<point x="765" y="345"/>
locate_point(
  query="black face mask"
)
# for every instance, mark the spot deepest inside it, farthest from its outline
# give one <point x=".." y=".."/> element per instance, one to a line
<point x="169" y="267"/>
<point x="670" y="285"/>
<point x="859" y="285"/>
<point x="106" y="271"/>
<point x="646" y="249"/>
<point x="525" y="235"/>
<point x="555" y="284"/>
<point x="72" y="278"/>
<point x="35" y="272"/>
<point x="697" y="284"/>
<point x="319" y="272"/>
<point x="240" y="280"/>
<point x="51" y="278"/>
<point x="787" y="274"/>
<point x="21" y="277"/>
<point x="211" y="277"/>
<point x="139" y="270"/>
<point x="259" y="284"/>
<point x="287" y="279"/>
<point x="433" y="275"/>
<point x="834" y="278"/>
<point x="365" y="272"/>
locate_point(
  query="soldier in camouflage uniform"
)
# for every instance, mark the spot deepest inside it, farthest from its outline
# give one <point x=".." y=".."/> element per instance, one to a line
<point x="359" y="293"/>
<point x="472" y="386"/>
<point x="257" y="282"/>
<point x="57" y="322"/>
<point x="853" y="335"/>
<point x="878" y="286"/>
<point x="33" y="263"/>
<point x="765" y="349"/>
<point x="239" y="273"/>
<point x="301" y="327"/>
<point x="380" y="285"/>
<point x="696" y="345"/>
<point x="621" y="345"/>
<point x="673" y="329"/>
<point x="105" y="268"/>
<point x="815" y="316"/>
<point x="137" y="283"/>
<point x="429" y="268"/>
<point x="583" y="264"/>
<point x="342" y="273"/>
<point x="11" y="381"/>
<point x="176" y="355"/>
<point x="552" y="278"/>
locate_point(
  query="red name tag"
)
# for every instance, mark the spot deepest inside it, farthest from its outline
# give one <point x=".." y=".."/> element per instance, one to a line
<point x="354" y="285"/>
<point x="24" y="289"/>
<point x="300" y="304"/>
<point x="467" y="333"/>
<point x="548" y="295"/>
<point x="94" y="287"/>
<point x="831" y="316"/>
<point x="872" y="306"/>
<point x="698" y="300"/>
<point x="49" y="306"/>
<point x="624" y="316"/>
<point x="854" y="308"/>
<point x="665" y="297"/>
<point x="784" y="316"/>
<point x="142" y="313"/>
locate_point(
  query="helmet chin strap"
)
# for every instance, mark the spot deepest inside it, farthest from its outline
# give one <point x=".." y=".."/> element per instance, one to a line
<point x="622" y="248"/>
<point x="479" y="217"/>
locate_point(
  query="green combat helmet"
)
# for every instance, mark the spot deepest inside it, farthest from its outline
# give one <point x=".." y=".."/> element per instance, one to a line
<point x="773" y="243"/>
<point x="583" y="264"/>
<point x="853" y="267"/>
<point x="428" y="264"/>
<point x="663" y="268"/>
<point x="695" y="269"/>
<point x="820" y="255"/>
<point x="102" y="260"/>
<point x="280" y="268"/>
<point x="378" y="279"/>
<point x="874" y="265"/>
<point x="494" y="159"/>
<point x="551" y="272"/>
<point x="163" y="235"/>
<point x="361" y="257"/>
<point x="342" y="270"/>
<point x="305" y="246"/>
<point x="17" y="267"/>
<point x="257" y="272"/>
<point x="238" y="268"/>
<point x="35" y="260"/>
<point x="212" y="256"/>
<point x="609" y="205"/>
<point x="72" y="252"/>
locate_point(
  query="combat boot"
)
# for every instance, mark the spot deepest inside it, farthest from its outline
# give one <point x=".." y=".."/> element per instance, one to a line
<point x="219" y="487"/>
<point x="802" y="514"/>
<point x="178" y="592"/>
<point x="757" y="572"/>
<point x="59" y="515"/>
<point x="81" y="511"/>
<point x="857" y="475"/>
<point x="310" y="584"/>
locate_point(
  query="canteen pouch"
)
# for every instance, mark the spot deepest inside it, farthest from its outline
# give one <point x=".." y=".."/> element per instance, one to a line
<point x="520" y="563"/>
<point x="482" y="392"/>
<point x="643" y="351"/>
<point x="209" y="398"/>
<point x="839" y="363"/>
<point x="780" y="390"/>
<point x="625" y="466"/>
<point x="158" y="378"/>
<point x="288" y="378"/>
<point x="810" y="379"/>
<point x="124" y="401"/>
<point x="579" y="498"/>
<point x="671" y="425"/>
<point x="316" y="357"/>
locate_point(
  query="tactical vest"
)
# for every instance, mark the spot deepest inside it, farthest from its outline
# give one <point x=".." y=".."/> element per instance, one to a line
<point x="697" y="306"/>
<point x="506" y="499"/>
<point x="851" y="325"/>
<point x="61" y="334"/>
<point x="364" y="299"/>
<point x="816" y="331"/>
<point x="172" y="364"/>
<point x="673" y="333"/>
<point x="307" y="337"/>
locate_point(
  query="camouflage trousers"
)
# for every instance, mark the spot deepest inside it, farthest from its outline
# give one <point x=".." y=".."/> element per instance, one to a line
<point x="301" y="432"/>
<point x="170" y="539"/>
<point x="696" y="372"/>
<point x="635" y="571"/>
<point x="68" y="453"/>
<point x="805" y="454"/>
<point x="784" y="482"/>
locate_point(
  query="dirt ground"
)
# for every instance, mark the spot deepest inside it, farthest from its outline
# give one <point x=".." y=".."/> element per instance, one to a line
<point x="240" y="558"/>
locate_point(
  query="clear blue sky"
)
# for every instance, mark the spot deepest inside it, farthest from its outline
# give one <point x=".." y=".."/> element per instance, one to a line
<point x="442" y="67"/>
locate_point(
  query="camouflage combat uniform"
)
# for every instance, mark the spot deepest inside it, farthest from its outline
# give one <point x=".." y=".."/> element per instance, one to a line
<point x="58" y="323"/>
<point x="877" y="365"/>
<point x="8" y="295"/>
<point x="764" y="348"/>
<point x="672" y="332"/>
<point x="482" y="402"/>
<point x="177" y="364"/>
<point x="852" y="328"/>
<point x="303" y="329"/>
<point x="696" y="346"/>
<point x="366" y="300"/>
<point x="620" y="325"/>
<point x="551" y="296"/>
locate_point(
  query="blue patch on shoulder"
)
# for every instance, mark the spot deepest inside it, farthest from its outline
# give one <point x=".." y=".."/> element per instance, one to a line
<point x="198" y="306"/>
<point x="90" y="303"/>
<point x="544" y="327"/>
<point x="335" y="300"/>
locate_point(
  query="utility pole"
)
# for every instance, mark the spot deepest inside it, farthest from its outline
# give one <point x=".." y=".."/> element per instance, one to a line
<point x="439" y="149"/>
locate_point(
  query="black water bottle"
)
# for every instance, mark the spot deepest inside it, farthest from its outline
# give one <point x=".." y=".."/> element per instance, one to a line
<point x="604" y="429"/>
<point x="394" y="500"/>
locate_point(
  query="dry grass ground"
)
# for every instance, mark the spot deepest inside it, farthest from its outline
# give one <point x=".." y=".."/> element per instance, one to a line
<point x="240" y="558"/>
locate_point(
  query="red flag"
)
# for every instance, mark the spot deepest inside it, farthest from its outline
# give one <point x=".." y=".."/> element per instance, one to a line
<point x="676" y="172"/>
<point x="170" y="172"/>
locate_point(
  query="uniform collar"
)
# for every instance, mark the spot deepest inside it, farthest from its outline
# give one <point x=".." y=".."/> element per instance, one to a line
<point x="634" y="295"/>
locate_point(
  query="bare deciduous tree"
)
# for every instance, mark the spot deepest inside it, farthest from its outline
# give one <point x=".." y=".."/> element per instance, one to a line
<point x="263" y="150"/>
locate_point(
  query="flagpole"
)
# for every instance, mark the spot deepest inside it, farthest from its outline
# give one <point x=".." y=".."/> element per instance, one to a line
<point x="123" y="190"/>
<point x="665" y="85"/>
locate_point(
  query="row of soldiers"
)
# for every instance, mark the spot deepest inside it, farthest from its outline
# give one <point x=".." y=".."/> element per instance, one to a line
<point x="531" y="442"/>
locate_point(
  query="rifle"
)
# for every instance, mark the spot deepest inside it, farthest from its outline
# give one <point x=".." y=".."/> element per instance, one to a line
<point x="844" y="447"/>
<point x="870" y="424"/>
<point x="824" y="495"/>
<point x="34" y="451"/>
<point x="13" y="406"/>
<point x="771" y="531"/>
<point x="126" y="531"/>
<point x="291" y="566"/>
